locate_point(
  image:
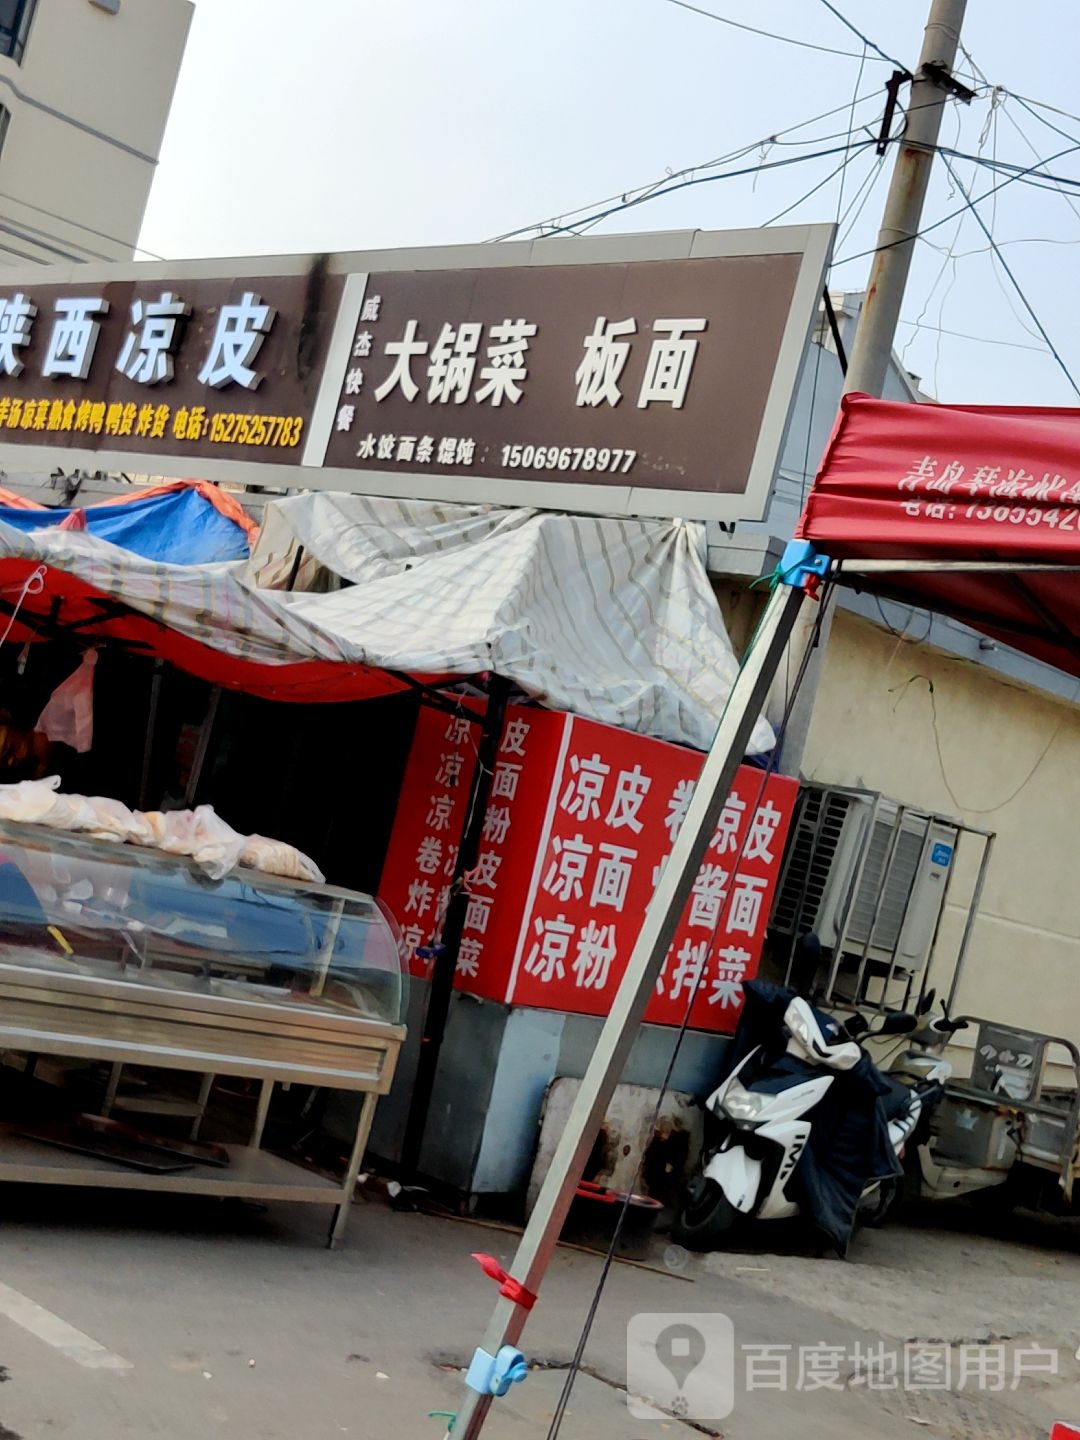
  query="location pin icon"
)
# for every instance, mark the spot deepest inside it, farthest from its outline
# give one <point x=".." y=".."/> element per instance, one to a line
<point x="680" y="1349"/>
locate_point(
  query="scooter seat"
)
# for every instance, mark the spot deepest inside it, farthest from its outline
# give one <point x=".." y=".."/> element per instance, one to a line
<point x="898" y="1101"/>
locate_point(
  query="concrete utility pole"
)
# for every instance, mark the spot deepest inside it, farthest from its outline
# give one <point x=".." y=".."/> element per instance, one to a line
<point x="868" y="364"/>
<point x="869" y="361"/>
<point x="870" y="354"/>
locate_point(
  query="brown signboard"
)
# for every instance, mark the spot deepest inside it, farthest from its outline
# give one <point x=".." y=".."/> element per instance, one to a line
<point x="179" y="369"/>
<point x="654" y="373"/>
<point x="648" y="375"/>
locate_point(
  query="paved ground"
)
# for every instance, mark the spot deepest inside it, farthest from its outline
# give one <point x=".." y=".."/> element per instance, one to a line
<point x="181" y="1298"/>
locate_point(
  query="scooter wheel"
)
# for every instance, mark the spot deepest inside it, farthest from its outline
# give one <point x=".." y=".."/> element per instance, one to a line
<point x="706" y="1218"/>
<point x="887" y="1202"/>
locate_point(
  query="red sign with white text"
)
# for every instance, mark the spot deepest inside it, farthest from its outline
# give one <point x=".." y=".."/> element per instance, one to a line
<point x="618" y="802"/>
<point x="427" y="830"/>
<point x="528" y="756"/>
<point x="581" y="819"/>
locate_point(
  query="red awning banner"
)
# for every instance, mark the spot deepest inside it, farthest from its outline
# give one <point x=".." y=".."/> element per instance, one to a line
<point x="960" y="483"/>
<point x="65" y="605"/>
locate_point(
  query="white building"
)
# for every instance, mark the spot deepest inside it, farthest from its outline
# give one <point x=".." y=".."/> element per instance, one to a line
<point x="85" y="91"/>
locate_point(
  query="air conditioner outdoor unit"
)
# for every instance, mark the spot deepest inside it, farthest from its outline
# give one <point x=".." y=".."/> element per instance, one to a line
<point x="868" y="876"/>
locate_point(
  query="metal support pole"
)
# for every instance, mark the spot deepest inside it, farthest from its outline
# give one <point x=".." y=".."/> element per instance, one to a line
<point x="151" y="730"/>
<point x="202" y="747"/>
<point x="262" y="1110"/>
<point x="969" y="924"/>
<point x="445" y="967"/>
<point x="871" y="351"/>
<point x="621" y="1026"/>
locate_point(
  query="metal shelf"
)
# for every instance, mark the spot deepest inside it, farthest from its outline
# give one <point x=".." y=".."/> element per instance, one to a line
<point x="251" y="1175"/>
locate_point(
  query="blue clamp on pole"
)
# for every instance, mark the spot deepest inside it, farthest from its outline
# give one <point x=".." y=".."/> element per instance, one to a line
<point x="801" y="565"/>
<point x="494" y="1374"/>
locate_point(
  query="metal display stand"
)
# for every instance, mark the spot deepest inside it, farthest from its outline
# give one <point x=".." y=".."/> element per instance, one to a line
<point x="45" y="1014"/>
<point x="182" y="1007"/>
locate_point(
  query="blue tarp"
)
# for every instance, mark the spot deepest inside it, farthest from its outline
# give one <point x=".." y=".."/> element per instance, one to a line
<point x="177" y="528"/>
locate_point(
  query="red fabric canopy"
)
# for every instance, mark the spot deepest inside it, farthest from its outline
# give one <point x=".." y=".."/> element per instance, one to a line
<point x="70" y="608"/>
<point x="967" y="483"/>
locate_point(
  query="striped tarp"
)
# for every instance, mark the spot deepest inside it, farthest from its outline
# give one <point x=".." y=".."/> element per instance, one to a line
<point x="611" y="619"/>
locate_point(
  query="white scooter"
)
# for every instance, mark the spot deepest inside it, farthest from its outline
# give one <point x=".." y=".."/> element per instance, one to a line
<point x="807" y="1080"/>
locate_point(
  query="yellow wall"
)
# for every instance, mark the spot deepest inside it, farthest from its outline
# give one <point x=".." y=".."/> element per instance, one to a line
<point x="873" y="726"/>
<point x="116" y="75"/>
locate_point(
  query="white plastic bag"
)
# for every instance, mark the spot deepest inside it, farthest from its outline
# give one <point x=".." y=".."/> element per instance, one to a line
<point x="275" y="857"/>
<point x="30" y="801"/>
<point x="200" y="833"/>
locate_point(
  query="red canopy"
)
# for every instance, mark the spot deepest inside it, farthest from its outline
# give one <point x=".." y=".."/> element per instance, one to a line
<point x="70" y="607"/>
<point x="962" y="483"/>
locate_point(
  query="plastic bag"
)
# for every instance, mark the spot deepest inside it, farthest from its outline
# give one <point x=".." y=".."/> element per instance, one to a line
<point x="200" y="833"/>
<point x="275" y="857"/>
<point x="68" y="717"/>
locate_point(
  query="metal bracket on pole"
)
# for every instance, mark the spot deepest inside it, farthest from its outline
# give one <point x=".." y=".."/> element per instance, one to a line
<point x="892" y="96"/>
<point x="803" y="566"/>
<point x="636" y="988"/>
<point x="945" y="80"/>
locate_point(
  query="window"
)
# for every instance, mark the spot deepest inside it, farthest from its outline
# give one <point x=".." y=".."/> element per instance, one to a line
<point x="15" y="17"/>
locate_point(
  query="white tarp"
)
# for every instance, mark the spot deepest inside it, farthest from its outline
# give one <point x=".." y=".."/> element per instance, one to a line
<point x="611" y="619"/>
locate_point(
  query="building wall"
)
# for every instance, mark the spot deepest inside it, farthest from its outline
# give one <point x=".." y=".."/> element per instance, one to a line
<point x="1009" y="762"/>
<point x="88" y="105"/>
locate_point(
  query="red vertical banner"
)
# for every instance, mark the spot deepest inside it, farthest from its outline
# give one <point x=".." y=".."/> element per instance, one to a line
<point x="719" y="940"/>
<point x="528" y="755"/>
<point x="427" y="829"/>
<point x="615" y="808"/>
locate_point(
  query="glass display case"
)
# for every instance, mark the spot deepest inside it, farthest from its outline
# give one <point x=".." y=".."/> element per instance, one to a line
<point x="132" y="956"/>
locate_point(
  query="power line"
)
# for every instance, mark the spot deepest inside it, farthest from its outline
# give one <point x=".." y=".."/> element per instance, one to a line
<point x="840" y="170"/>
<point x="865" y="190"/>
<point x="1042" y="105"/>
<point x="1009" y="167"/>
<point x="812" y="191"/>
<point x="937" y="224"/>
<point x="851" y="128"/>
<point x="706" y="180"/>
<point x="865" y="40"/>
<point x="768" y="34"/>
<point x="766" y="141"/>
<point x="1016" y="284"/>
<point x="977" y="339"/>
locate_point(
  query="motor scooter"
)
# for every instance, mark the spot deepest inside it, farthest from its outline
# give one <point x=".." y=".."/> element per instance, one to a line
<point x="805" y="1124"/>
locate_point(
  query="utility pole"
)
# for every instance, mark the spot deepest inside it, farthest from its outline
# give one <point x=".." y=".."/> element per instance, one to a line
<point x="931" y="87"/>
<point x="868" y="365"/>
<point x="869" y="361"/>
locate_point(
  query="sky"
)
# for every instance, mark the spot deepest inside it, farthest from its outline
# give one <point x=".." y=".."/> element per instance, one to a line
<point x="339" y="125"/>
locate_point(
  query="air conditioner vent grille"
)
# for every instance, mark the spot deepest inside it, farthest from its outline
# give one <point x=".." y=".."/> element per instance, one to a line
<point x="812" y="850"/>
<point x="894" y="888"/>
